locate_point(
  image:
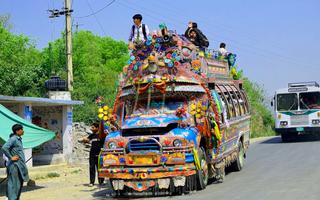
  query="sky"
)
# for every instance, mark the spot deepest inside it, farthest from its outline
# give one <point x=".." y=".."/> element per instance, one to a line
<point x="276" y="41"/>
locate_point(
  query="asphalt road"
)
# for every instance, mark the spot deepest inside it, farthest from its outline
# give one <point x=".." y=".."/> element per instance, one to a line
<point x="273" y="170"/>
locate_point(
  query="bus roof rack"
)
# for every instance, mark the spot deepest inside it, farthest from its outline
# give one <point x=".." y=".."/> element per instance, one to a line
<point x="303" y="84"/>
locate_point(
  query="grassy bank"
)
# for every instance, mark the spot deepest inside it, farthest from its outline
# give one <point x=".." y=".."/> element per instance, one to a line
<point x="262" y="121"/>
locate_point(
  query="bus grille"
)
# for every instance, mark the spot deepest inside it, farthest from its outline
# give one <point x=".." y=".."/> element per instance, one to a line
<point x="298" y="120"/>
<point x="146" y="145"/>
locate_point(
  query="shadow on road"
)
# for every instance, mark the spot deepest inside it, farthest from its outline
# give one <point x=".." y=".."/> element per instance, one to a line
<point x="297" y="139"/>
<point x="273" y="140"/>
<point x="103" y="192"/>
<point x="3" y="188"/>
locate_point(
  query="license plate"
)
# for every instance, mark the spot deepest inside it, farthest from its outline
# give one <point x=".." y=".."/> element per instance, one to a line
<point x="300" y="129"/>
<point x="144" y="160"/>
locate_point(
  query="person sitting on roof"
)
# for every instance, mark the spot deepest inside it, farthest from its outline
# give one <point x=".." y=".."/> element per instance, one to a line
<point x="186" y="33"/>
<point x="194" y="37"/>
<point x="202" y="41"/>
<point x="222" y="50"/>
<point x="139" y="32"/>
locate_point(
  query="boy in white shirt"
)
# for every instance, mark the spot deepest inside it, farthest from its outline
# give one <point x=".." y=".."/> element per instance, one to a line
<point x="222" y="50"/>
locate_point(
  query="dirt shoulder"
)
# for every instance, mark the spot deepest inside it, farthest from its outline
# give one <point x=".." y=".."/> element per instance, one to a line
<point x="61" y="182"/>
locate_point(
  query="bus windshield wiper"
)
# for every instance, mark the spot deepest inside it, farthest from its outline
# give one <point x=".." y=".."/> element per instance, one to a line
<point x="294" y="103"/>
<point x="304" y="104"/>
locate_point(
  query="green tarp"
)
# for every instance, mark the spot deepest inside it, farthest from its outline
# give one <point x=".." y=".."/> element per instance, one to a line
<point x="33" y="135"/>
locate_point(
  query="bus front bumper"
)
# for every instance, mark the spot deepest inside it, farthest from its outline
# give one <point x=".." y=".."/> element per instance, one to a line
<point x="144" y="178"/>
<point x="148" y="172"/>
<point x="303" y="130"/>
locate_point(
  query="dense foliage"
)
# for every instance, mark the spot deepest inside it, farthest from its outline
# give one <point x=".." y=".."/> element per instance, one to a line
<point x="97" y="62"/>
<point x="262" y="121"/>
<point x="20" y="63"/>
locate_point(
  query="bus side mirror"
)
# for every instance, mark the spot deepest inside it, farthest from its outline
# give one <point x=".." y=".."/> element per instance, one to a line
<point x="271" y="103"/>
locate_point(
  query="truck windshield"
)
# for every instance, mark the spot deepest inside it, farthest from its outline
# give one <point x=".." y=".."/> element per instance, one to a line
<point x="287" y="102"/>
<point x="309" y="100"/>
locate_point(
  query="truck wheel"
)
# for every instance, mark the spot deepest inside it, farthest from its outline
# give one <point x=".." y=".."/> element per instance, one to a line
<point x="238" y="164"/>
<point x="203" y="173"/>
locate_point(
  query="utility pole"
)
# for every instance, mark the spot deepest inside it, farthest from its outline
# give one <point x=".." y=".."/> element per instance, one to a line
<point x="69" y="44"/>
<point x="77" y="26"/>
<point x="67" y="12"/>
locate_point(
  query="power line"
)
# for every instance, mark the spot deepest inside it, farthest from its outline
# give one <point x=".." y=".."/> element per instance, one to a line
<point x="152" y="17"/>
<point x="96" y="18"/>
<point x="76" y="25"/>
<point x="215" y="23"/>
<point x="101" y="9"/>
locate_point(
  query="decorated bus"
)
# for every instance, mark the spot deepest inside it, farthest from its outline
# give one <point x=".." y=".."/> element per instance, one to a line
<point x="297" y="109"/>
<point x="179" y="119"/>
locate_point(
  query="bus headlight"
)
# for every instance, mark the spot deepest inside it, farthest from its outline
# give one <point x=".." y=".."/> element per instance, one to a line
<point x="112" y="145"/>
<point x="316" y="121"/>
<point x="283" y="123"/>
<point x="177" y="143"/>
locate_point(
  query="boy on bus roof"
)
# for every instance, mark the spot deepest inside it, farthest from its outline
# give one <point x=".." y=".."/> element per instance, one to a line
<point x="139" y="31"/>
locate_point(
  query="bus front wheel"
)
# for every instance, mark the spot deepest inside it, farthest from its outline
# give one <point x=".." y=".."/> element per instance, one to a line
<point x="203" y="172"/>
<point x="286" y="137"/>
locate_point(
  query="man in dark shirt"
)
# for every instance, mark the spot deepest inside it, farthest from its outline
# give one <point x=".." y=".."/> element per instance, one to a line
<point x="96" y="145"/>
<point x="195" y="35"/>
<point x="16" y="167"/>
<point x="194" y="38"/>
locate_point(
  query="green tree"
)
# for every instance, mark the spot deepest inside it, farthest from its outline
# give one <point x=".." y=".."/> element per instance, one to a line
<point x="5" y="21"/>
<point x="97" y="61"/>
<point x="20" y="65"/>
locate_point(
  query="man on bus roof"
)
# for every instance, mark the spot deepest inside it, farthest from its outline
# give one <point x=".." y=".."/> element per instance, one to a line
<point x="139" y="31"/>
<point x="196" y="36"/>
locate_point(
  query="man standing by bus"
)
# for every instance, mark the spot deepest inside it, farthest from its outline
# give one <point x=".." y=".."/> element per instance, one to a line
<point x="96" y="145"/>
<point x="16" y="166"/>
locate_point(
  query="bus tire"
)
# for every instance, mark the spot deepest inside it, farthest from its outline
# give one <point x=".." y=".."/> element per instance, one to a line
<point x="238" y="164"/>
<point x="285" y="137"/>
<point x="203" y="173"/>
<point x="221" y="174"/>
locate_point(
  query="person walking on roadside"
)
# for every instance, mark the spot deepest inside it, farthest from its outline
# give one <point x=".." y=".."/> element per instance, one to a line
<point x="17" y="170"/>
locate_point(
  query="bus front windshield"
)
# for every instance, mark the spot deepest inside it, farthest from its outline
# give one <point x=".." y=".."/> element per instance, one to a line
<point x="309" y="100"/>
<point x="156" y="106"/>
<point x="287" y="102"/>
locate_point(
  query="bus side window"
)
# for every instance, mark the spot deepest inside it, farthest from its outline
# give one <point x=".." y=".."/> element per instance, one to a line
<point x="246" y="103"/>
<point x="242" y="103"/>
<point x="227" y="101"/>
<point x="231" y="110"/>
<point x="223" y="108"/>
<point x="236" y="103"/>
